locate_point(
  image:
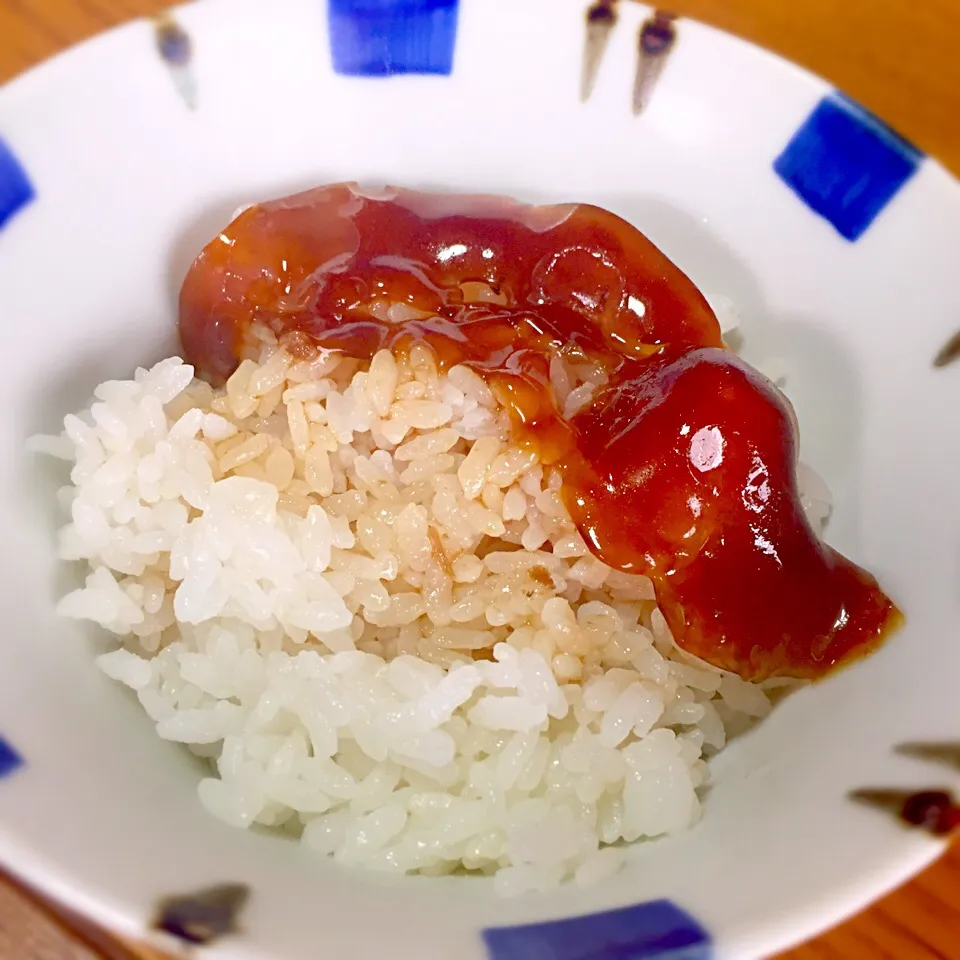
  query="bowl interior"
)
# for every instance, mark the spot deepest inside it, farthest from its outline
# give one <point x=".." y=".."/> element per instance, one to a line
<point x="130" y="182"/>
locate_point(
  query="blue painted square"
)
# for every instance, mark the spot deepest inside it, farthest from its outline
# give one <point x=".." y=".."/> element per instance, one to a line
<point x="15" y="188"/>
<point x="846" y="165"/>
<point x="379" y="38"/>
<point x="657" y="929"/>
<point x="9" y="759"/>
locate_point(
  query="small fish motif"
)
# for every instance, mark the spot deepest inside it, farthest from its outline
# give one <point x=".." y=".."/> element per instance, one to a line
<point x="945" y="753"/>
<point x="176" y="51"/>
<point x="934" y="811"/>
<point x="601" y="19"/>
<point x="948" y="352"/>
<point x="658" y="36"/>
<point x="203" y="917"/>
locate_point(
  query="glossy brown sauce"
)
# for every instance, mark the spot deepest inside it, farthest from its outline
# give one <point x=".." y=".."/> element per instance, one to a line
<point x="683" y="466"/>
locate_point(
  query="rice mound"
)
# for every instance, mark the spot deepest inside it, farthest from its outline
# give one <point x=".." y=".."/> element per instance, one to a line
<point x="345" y="587"/>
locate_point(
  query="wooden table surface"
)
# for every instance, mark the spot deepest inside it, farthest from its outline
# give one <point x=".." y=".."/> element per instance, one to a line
<point x="898" y="58"/>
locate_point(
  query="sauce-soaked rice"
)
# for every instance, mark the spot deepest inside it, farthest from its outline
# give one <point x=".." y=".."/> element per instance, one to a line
<point x="682" y="467"/>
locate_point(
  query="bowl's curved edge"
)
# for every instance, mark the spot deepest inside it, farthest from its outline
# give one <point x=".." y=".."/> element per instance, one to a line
<point x="820" y="916"/>
<point x="809" y="78"/>
<point x="904" y="862"/>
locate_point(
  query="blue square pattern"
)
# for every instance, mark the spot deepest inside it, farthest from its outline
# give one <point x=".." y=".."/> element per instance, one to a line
<point x="846" y="165"/>
<point x="657" y="929"/>
<point x="15" y="188"/>
<point x="9" y="759"/>
<point x="380" y="38"/>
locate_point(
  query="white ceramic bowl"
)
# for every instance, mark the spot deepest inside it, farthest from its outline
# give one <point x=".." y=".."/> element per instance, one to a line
<point x="129" y="179"/>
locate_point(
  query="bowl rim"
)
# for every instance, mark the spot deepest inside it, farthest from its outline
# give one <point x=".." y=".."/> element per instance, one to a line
<point x="904" y="859"/>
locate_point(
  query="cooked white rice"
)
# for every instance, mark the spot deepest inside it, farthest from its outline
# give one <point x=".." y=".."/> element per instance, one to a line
<point x="348" y="590"/>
